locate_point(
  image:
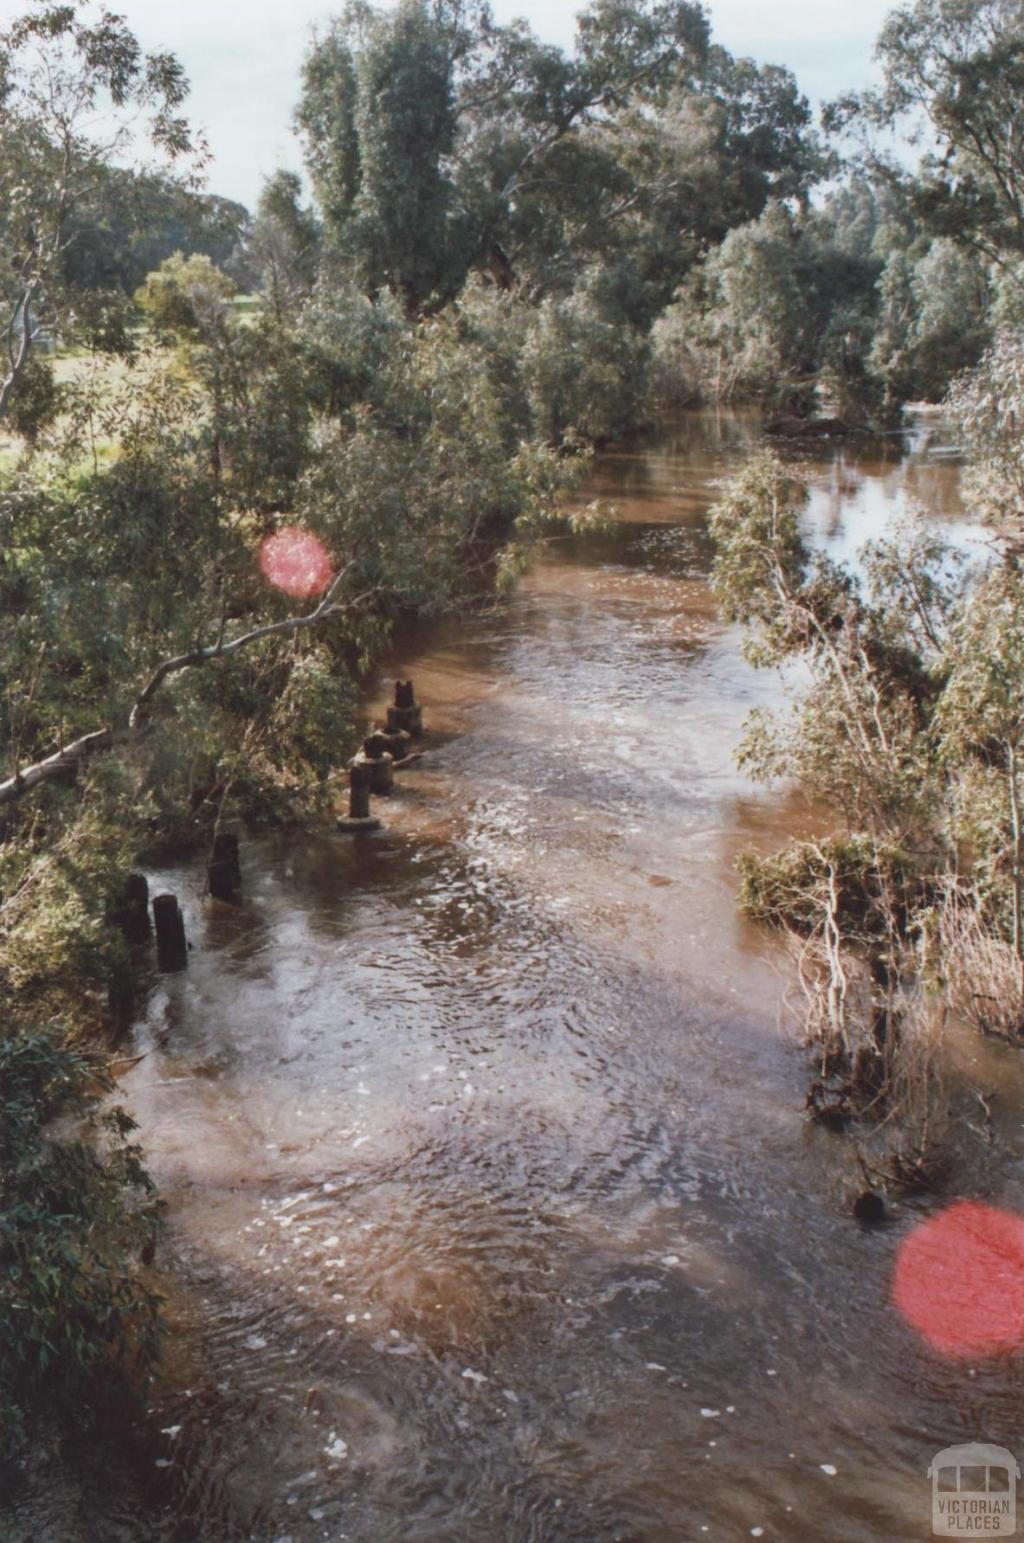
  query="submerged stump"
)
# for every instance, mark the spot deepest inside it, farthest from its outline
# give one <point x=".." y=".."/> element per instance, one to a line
<point x="122" y="1000"/>
<point x="171" y="945"/>
<point x="869" y="1208"/>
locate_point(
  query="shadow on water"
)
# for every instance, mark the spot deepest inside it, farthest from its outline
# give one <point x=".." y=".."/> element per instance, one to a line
<point x="493" y="1212"/>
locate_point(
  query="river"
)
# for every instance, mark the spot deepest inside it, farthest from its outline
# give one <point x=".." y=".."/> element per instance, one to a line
<point x="494" y="1213"/>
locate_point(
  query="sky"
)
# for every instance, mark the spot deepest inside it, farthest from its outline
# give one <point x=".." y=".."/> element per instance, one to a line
<point x="244" y="57"/>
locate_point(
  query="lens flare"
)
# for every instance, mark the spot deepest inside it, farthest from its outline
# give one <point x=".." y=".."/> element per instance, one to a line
<point x="959" y="1280"/>
<point x="296" y="562"/>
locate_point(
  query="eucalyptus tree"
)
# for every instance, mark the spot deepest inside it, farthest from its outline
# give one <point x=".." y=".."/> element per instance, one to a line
<point x="281" y="251"/>
<point x="134" y="219"/>
<point x="987" y="405"/>
<point x="378" y="113"/>
<point x="648" y="187"/>
<point x="783" y="304"/>
<point x="953" y="71"/>
<point x="439" y="142"/>
<point x="75" y="85"/>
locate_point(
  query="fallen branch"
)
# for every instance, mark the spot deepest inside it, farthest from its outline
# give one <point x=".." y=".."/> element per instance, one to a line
<point x="56" y="765"/>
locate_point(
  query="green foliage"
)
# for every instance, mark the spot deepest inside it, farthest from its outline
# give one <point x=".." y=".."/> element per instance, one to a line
<point x="756" y="531"/>
<point x="426" y="479"/>
<point x="759" y="325"/>
<point x="59" y="880"/>
<point x="282" y="246"/>
<point x="982" y="705"/>
<point x="409" y="448"/>
<point x="405" y="119"/>
<point x="128" y="222"/>
<point x="953" y="234"/>
<point x="311" y="718"/>
<point x="76" y="1214"/>
<point x="77" y="90"/>
<point x="858" y="876"/>
<point x="440" y="143"/>
<point x="895" y="284"/>
<point x="988" y="410"/>
<point x="960" y="65"/>
<point x="185" y="297"/>
<point x="583" y="374"/>
<point x="782" y="303"/>
<point x="934" y="321"/>
<point x="37" y="403"/>
<point x="981" y="715"/>
<point x="326" y="117"/>
<point x="381" y="126"/>
<point x="1007" y="313"/>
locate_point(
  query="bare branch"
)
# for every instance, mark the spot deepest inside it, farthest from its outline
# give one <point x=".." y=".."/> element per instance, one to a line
<point x="57" y="765"/>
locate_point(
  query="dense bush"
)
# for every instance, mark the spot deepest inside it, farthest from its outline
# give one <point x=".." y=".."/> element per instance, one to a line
<point x="583" y="374"/>
<point x="77" y="1214"/>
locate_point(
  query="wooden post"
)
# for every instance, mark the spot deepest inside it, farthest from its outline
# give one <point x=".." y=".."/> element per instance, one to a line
<point x="406" y="714"/>
<point x="378" y="762"/>
<point x="869" y="1207"/>
<point x="359" y="793"/>
<point x="131" y="913"/>
<point x="359" y="817"/>
<point x="171" y="947"/>
<point x="224" y="871"/>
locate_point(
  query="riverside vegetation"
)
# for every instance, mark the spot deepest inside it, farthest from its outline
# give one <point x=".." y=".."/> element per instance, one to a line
<point x="512" y="254"/>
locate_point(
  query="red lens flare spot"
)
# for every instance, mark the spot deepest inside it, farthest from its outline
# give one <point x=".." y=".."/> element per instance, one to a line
<point x="297" y="563"/>
<point x="959" y="1280"/>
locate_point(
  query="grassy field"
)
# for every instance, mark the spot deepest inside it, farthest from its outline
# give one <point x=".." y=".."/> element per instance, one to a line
<point x="68" y="369"/>
<point x="76" y="365"/>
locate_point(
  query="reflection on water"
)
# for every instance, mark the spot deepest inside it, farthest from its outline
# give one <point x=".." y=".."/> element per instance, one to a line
<point x="493" y="1211"/>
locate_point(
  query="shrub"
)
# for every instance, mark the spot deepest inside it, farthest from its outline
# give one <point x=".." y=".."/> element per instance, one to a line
<point x="76" y="1215"/>
<point x="585" y="376"/>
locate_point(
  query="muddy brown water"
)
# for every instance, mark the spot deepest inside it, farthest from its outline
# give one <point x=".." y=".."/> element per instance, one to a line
<point x="494" y="1213"/>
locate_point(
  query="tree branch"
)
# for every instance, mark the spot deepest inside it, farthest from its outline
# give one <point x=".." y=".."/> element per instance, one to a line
<point x="56" y="765"/>
<point x="105" y="739"/>
<point x="19" y="359"/>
